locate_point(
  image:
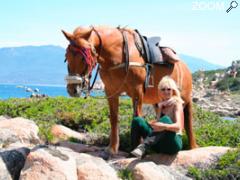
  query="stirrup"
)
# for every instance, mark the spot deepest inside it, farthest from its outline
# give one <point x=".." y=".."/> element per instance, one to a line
<point x="151" y="82"/>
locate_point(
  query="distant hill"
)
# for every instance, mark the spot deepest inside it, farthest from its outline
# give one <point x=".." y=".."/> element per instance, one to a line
<point x="196" y="64"/>
<point x="45" y="65"/>
<point x="32" y="65"/>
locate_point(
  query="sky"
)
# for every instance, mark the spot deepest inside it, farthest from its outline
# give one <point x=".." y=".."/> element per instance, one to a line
<point x="199" y="28"/>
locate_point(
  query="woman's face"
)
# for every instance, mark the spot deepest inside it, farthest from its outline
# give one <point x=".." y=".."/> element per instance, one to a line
<point x="166" y="92"/>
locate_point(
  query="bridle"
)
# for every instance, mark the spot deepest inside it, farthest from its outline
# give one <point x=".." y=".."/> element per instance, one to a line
<point x="83" y="80"/>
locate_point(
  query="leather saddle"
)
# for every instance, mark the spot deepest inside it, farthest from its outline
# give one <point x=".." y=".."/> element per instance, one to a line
<point x="153" y="53"/>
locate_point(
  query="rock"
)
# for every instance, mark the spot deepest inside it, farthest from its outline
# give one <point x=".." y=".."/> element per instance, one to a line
<point x="151" y="171"/>
<point x="81" y="148"/>
<point x="49" y="163"/>
<point x="200" y="157"/>
<point x="90" y="167"/>
<point x="14" y="130"/>
<point x="92" y="150"/>
<point x="64" y="133"/>
<point x="61" y="133"/>
<point x="11" y="163"/>
<point x="237" y="113"/>
<point x="195" y="99"/>
<point x="4" y="118"/>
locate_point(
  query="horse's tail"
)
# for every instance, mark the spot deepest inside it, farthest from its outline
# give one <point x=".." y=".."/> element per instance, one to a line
<point x="189" y="125"/>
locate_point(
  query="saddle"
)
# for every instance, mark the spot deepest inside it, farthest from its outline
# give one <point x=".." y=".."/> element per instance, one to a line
<point x="153" y="54"/>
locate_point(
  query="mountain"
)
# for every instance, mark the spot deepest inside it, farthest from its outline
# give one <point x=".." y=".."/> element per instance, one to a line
<point x="32" y="65"/>
<point x="196" y="64"/>
<point x="45" y="65"/>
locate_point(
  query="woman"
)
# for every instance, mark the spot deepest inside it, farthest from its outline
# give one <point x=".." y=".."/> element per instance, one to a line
<point x="163" y="135"/>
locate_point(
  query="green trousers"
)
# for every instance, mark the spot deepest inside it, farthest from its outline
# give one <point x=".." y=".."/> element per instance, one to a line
<point x="167" y="142"/>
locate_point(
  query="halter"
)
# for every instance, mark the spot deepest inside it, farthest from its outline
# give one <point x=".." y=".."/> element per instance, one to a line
<point x="84" y="78"/>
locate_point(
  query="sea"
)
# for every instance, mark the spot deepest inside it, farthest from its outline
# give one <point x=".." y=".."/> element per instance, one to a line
<point x="24" y="91"/>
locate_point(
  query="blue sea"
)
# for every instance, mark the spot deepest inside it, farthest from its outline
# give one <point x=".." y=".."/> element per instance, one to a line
<point x="23" y="91"/>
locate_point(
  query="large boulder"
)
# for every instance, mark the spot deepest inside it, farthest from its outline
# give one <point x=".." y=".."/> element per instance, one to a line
<point x="11" y="162"/>
<point x="90" y="168"/>
<point x="18" y="130"/>
<point x="61" y="132"/>
<point x="49" y="162"/>
<point x="151" y="171"/>
<point x="200" y="157"/>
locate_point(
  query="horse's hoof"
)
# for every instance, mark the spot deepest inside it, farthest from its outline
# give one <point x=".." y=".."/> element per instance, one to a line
<point x="106" y="155"/>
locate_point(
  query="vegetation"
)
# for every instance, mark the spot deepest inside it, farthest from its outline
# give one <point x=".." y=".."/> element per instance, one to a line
<point x="92" y="115"/>
<point x="230" y="83"/>
<point x="125" y="174"/>
<point x="212" y="130"/>
<point x="209" y="75"/>
<point x="226" y="83"/>
<point x="228" y="167"/>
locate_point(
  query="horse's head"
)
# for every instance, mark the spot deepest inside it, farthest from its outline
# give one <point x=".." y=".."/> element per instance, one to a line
<point x="81" y="58"/>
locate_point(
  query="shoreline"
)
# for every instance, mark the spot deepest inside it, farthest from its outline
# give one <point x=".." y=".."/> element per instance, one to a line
<point x="43" y="85"/>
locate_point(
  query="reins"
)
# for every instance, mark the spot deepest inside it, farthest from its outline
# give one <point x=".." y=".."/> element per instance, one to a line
<point x="100" y="50"/>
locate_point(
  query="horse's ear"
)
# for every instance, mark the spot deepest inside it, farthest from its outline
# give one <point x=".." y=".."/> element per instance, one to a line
<point x="68" y="35"/>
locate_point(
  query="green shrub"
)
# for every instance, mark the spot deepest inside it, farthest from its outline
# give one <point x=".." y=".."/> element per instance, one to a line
<point x="228" y="167"/>
<point x="233" y="84"/>
<point x="212" y="130"/>
<point x="125" y="174"/>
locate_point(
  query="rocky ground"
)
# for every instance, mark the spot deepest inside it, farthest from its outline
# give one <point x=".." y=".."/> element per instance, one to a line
<point x="24" y="156"/>
<point x="222" y="103"/>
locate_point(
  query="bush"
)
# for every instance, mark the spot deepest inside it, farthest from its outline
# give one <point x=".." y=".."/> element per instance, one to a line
<point x="233" y="84"/>
<point x="228" y="167"/>
<point x="125" y="174"/>
<point x="212" y="130"/>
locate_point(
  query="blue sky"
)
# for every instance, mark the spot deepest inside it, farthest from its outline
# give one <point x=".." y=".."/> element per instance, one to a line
<point x="198" y="28"/>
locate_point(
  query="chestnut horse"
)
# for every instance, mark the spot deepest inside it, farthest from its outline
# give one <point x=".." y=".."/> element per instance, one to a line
<point x="104" y="45"/>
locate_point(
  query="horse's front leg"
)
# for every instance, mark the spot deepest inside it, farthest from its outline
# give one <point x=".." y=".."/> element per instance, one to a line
<point x="114" y="136"/>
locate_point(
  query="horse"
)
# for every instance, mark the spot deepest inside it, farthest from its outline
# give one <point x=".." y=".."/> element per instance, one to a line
<point x="103" y="45"/>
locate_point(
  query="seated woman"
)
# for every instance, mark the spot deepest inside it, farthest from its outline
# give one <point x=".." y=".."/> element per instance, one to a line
<point x="163" y="135"/>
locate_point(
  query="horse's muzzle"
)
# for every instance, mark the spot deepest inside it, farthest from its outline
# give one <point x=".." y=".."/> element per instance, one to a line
<point x="73" y="79"/>
<point x="74" y="90"/>
<point x="74" y="85"/>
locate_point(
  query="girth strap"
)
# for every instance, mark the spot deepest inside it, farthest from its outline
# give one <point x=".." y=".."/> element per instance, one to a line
<point x="125" y="47"/>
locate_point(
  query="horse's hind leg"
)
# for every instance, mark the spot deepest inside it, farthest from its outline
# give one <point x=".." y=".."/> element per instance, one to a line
<point x="189" y="125"/>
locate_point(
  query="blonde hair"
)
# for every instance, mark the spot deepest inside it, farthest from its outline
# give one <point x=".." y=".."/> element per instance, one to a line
<point x="168" y="82"/>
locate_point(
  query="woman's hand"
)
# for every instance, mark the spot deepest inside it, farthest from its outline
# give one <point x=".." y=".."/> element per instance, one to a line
<point x="169" y="102"/>
<point x="166" y="103"/>
<point x="158" y="126"/>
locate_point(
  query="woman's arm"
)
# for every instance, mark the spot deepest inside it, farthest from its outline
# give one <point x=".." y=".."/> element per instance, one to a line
<point x="175" y="127"/>
<point x="158" y="109"/>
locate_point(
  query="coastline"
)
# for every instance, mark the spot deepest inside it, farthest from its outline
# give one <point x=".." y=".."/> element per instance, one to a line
<point x="22" y="84"/>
